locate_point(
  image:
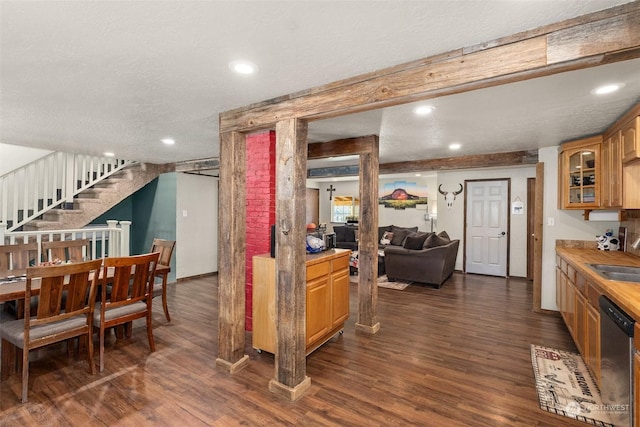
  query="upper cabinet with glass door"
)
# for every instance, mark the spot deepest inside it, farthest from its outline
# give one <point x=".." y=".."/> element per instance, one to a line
<point x="581" y="178"/>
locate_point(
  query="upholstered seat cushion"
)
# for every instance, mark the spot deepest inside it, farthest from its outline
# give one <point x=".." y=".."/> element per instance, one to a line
<point x="112" y="313"/>
<point x="13" y="331"/>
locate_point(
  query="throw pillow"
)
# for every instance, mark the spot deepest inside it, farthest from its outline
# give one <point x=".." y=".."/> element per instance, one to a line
<point x="415" y="242"/>
<point x="386" y="238"/>
<point x="434" y="241"/>
<point x="444" y="235"/>
<point x="398" y="237"/>
<point x="383" y="229"/>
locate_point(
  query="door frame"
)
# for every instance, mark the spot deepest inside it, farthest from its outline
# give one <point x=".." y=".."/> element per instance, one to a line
<point x="464" y="237"/>
<point x="531" y="194"/>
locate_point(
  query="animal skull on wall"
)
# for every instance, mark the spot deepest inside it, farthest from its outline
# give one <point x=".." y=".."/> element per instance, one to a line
<point x="449" y="196"/>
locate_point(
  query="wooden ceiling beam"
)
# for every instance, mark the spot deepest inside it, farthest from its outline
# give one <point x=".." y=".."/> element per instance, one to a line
<point x="513" y="158"/>
<point x="586" y="41"/>
<point x="341" y="147"/>
<point x="198" y="165"/>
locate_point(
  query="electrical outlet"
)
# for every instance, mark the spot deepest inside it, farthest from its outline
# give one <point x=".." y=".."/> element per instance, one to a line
<point x="551" y="221"/>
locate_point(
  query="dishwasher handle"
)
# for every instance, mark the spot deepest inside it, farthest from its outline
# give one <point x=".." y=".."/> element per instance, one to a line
<point x="619" y="317"/>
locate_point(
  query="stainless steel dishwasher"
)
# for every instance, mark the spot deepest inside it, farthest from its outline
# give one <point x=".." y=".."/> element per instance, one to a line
<point x="616" y="369"/>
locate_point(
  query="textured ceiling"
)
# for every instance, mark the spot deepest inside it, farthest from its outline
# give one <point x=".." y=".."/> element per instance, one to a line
<point x="119" y="76"/>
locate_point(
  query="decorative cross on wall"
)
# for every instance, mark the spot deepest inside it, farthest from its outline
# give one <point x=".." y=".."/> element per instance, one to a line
<point x="331" y="190"/>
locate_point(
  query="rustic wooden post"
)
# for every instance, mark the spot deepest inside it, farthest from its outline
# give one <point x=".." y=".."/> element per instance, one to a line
<point x="368" y="240"/>
<point x="231" y="253"/>
<point x="290" y="379"/>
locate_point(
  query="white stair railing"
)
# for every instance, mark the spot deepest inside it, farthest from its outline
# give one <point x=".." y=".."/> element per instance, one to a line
<point x="106" y="241"/>
<point x="46" y="183"/>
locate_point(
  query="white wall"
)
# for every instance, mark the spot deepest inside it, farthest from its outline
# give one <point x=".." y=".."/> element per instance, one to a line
<point x="452" y="220"/>
<point x="569" y="225"/>
<point x="197" y="232"/>
<point x="13" y="157"/>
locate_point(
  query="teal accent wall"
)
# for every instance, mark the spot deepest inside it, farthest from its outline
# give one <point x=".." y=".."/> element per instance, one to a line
<point x="152" y="212"/>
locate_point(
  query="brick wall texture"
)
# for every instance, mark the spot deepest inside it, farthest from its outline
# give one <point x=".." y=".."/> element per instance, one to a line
<point x="261" y="204"/>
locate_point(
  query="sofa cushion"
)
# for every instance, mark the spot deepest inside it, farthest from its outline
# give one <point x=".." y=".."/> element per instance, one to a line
<point x="433" y="240"/>
<point x="350" y="234"/>
<point x="340" y="232"/>
<point x="443" y="234"/>
<point x="398" y="237"/>
<point x="414" y="241"/>
<point x="399" y="234"/>
<point x="345" y="233"/>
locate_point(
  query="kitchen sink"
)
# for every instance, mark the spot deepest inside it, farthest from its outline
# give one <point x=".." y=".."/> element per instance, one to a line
<point x="621" y="273"/>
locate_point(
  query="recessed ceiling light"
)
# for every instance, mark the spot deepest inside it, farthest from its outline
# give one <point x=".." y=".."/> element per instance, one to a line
<point x="605" y="89"/>
<point x="108" y="154"/>
<point x="455" y="146"/>
<point x="168" y="141"/>
<point x="424" y="110"/>
<point x="243" y="67"/>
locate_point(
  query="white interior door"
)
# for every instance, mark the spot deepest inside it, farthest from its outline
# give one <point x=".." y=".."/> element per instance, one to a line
<point x="487" y="227"/>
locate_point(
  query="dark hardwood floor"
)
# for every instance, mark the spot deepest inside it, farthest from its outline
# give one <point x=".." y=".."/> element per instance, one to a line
<point x="455" y="356"/>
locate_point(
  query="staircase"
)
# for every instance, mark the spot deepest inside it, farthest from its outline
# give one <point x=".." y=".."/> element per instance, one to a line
<point x="99" y="198"/>
<point x="68" y="191"/>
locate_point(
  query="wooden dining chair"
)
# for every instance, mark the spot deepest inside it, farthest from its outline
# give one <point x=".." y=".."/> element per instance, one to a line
<point x="130" y="280"/>
<point x="55" y="319"/>
<point x="14" y="259"/>
<point x="165" y="248"/>
<point x="67" y="250"/>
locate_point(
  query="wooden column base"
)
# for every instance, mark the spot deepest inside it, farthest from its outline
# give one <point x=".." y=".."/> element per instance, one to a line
<point x="232" y="368"/>
<point x="291" y="393"/>
<point x="368" y="329"/>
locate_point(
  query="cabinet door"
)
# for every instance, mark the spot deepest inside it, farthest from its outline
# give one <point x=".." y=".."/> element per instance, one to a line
<point x="630" y="148"/>
<point x="580" y="322"/>
<point x="559" y="289"/>
<point x="339" y="297"/>
<point x="581" y="179"/>
<point x="614" y="173"/>
<point x="605" y="188"/>
<point x="318" y="309"/>
<point x="592" y="346"/>
<point x="636" y="388"/>
<point x="570" y="303"/>
<point x="264" y="304"/>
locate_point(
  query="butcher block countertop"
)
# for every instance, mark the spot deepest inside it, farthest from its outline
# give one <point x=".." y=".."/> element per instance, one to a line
<point x="624" y="294"/>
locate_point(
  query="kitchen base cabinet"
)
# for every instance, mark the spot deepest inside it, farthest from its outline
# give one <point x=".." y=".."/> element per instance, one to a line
<point x="574" y="297"/>
<point x="327" y="298"/>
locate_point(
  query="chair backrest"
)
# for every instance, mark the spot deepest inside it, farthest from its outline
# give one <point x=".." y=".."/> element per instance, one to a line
<point x="132" y="278"/>
<point x="14" y="259"/>
<point x="67" y="250"/>
<point x="165" y="248"/>
<point x="78" y="279"/>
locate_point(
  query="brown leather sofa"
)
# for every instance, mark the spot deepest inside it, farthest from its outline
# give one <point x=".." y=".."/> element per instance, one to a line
<point x="432" y="265"/>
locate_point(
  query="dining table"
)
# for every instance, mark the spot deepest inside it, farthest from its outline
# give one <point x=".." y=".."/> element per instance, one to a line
<point x="14" y="288"/>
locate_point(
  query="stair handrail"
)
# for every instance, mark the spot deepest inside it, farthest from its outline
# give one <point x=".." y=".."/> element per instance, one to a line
<point x="49" y="182"/>
<point x="114" y="238"/>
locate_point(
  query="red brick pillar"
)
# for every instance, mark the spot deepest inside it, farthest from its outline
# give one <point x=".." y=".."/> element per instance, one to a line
<point x="261" y="204"/>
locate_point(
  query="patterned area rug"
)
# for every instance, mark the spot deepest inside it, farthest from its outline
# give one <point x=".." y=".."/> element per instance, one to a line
<point x="565" y="386"/>
<point x="383" y="282"/>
